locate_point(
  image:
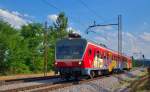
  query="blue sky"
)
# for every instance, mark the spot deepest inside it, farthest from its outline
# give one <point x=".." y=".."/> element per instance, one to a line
<point x="135" y="12"/>
<point x="82" y="13"/>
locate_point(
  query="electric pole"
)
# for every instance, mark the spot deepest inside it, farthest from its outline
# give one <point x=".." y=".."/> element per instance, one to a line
<point x="120" y="37"/>
<point x="45" y="49"/>
<point x="119" y="25"/>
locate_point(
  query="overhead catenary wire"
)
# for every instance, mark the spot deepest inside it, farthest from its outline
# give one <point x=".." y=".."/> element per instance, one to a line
<point x="90" y="10"/>
<point x="94" y="12"/>
<point x="50" y="4"/>
<point x="72" y="18"/>
<point x="60" y="10"/>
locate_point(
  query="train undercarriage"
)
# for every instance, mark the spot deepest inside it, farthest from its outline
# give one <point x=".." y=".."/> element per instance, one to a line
<point x="67" y="73"/>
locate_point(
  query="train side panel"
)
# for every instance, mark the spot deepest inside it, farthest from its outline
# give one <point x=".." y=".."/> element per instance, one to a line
<point x="108" y="60"/>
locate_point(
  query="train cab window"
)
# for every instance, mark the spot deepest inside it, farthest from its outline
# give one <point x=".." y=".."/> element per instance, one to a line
<point x="90" y="52"/>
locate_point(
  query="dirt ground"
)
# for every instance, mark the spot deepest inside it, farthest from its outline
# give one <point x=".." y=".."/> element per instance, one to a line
<point x="25" y="76"/>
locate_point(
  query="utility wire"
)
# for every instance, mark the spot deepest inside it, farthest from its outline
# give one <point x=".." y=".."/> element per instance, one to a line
<point x="94" y="12"/>
<point x="50" y="4"/>
<point x="91" y="10"/>
<point x="82" y="2"/>
<point x="55" y="7"/>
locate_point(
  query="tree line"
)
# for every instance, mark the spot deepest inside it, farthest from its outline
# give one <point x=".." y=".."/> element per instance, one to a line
<point x="22" y="50"/>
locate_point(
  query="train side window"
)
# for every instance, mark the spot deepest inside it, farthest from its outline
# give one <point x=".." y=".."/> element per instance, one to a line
<point x="110" y="56"/>
<point x="101" y="54"/>
<point x="115" y="58"/>
<point x="104" y="55"/>
<point x="89" y="52"/>
<point x="98" y="54"/>
<point x="107" y="57"/>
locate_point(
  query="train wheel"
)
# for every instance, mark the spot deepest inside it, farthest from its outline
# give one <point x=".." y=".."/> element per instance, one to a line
<point x="128" y="69"/>
<point x="92" y="74"/>
<point x="115" y="71"/>
<point x="99" y="73"/>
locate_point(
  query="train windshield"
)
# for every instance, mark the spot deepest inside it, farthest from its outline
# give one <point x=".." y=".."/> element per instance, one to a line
<point x="70" y="49"/>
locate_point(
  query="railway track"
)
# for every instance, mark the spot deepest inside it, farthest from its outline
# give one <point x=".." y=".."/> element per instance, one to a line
<point x="47" y="84"/>
<point x="23" y="80"/>
<point x="84" y="81"/>
<point x="29" y="84"/>
<point x="51" y="86"/>
<point x="54" y="85"/>
<point x="65" y="84"/>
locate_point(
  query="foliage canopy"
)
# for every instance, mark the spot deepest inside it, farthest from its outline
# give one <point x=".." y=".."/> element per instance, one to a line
<point x="22" y="50"/>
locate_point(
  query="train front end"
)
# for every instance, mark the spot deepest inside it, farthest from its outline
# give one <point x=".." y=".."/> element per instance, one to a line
<point x="68" y="56"/>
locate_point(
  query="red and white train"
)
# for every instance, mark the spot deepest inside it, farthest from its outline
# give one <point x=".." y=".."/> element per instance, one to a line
<point x="78" y="56"/>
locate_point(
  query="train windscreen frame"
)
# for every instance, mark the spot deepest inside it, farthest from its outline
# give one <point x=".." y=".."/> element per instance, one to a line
<point x="70" y="48"/>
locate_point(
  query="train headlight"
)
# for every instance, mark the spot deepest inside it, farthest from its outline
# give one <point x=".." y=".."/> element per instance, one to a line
<point x="80" y="63"/>
<point x="56" y="63"/>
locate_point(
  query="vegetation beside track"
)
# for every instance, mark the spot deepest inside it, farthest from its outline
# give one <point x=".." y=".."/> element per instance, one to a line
<point x="22" y="50"/>
<point x="142" y="84"/>
<point x="21" y="76"/>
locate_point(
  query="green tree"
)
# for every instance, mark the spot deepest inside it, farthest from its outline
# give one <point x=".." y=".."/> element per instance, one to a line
<point x="10" y="50"/>
<point x="55" y="32"/>
<point x="22" y="50"/>
<point x="33" y="35"/>
<point x="61" y="25"/>
<point x="5" y="32"/>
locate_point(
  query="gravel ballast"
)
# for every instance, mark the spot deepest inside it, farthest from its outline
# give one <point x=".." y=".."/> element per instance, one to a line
<point x="114" y="83"/>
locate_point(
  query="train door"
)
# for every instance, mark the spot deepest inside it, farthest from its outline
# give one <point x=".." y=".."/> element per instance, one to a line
<point x="120" y="62"/>
<point x="124" y="63"/>
<point x="90" y="57"/>
<point x="98" y="61"/>
<point x="105" y="60"/>
<point x="111" y="62"/>
<point x="110" y="57"/>
<point x="95" y="60"/>
<point x="115" y="61"/>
